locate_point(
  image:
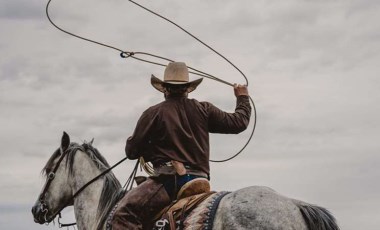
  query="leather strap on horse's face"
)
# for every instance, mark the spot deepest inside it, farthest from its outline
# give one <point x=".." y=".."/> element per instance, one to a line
<point x="51" y="176"/>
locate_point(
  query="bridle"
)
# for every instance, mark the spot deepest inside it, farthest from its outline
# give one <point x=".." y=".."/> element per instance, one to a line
<point x="43" y="195"/>
<point x="50" y="178"/>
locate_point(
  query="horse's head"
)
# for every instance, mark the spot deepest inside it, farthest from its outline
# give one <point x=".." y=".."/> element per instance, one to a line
<point x="57" y="191"/>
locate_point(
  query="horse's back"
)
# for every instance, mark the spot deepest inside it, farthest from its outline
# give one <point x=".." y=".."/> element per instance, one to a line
<point x="258" y="207"/>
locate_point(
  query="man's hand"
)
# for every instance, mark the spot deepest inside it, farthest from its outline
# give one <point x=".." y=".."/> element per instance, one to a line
<point x="240" y="90"/>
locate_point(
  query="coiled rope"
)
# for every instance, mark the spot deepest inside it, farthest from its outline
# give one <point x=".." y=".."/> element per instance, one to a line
<point x="130" y="54"/>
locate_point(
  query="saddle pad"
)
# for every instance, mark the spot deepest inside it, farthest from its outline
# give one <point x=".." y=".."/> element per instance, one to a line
<point x="202" y="217"/>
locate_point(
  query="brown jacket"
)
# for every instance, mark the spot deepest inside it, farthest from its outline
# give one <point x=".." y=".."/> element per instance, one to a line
<point x="178" y="129"/>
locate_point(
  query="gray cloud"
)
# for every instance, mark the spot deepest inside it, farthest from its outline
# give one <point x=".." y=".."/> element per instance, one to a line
<point x="21" y="9"/>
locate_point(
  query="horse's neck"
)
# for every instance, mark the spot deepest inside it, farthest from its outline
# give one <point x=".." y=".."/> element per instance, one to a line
<point x="86" y="203"/>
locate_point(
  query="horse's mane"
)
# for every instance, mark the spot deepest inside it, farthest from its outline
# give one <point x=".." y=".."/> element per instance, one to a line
<point x="111" y="189"/>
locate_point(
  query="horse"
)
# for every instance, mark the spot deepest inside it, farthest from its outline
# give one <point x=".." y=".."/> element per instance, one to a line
<point x="72" y="165"/>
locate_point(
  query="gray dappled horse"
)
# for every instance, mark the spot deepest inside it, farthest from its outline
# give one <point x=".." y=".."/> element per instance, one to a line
<point x="73" y="165"/>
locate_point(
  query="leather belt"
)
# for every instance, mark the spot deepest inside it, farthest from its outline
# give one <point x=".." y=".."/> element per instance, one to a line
<point x="167" y="168"/>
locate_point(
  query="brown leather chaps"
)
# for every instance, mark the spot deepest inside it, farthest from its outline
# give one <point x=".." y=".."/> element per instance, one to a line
<point x="137" y="208"/>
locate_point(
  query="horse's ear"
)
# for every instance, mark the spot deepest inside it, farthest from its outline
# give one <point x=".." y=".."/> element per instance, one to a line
<point x="92" y="141"/>
<point x="65" y="142"/>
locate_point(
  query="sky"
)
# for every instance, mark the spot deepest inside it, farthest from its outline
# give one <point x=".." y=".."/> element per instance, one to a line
<point x="313" y="70"/>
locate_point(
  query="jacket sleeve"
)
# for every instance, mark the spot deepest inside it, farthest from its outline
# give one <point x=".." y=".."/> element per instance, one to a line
<point x="231" y="123"/>
<point x="138" y="143"/>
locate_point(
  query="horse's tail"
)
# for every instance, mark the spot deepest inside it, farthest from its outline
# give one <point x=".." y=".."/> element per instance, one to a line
<point x="317" y="218"/>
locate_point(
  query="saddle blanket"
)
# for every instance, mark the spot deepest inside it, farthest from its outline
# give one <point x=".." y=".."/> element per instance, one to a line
<point x="200" y="218"/>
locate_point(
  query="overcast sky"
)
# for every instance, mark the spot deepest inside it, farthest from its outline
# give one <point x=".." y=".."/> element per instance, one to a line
<point x="313" y="69"/>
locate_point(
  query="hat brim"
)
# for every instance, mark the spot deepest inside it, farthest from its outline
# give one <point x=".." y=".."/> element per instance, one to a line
<point x="160" y="85"/>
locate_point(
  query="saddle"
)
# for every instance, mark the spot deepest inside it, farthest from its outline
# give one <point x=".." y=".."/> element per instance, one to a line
<point x="189" y="196"/>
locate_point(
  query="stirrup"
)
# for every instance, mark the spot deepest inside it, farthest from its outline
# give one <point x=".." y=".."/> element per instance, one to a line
<point x="194" y="187"/>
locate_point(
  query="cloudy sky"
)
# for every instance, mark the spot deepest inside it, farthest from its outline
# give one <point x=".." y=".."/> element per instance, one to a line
<point x="313" y="69"/>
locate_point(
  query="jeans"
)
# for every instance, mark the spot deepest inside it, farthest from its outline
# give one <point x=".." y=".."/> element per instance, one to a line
<point x="173" y="183"/>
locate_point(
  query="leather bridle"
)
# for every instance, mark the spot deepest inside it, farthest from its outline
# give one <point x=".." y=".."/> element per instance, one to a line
<point x="50" y="178"/>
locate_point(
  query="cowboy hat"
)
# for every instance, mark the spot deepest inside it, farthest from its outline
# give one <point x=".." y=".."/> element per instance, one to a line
<point x="176" y="73"/>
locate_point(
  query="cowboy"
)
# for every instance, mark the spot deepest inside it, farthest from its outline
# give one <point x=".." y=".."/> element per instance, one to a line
<point x="174" y="136"/>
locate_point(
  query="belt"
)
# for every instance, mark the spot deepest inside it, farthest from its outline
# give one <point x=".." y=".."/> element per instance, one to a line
<point x="170" y="164"/>
<point x="167" y="168"/>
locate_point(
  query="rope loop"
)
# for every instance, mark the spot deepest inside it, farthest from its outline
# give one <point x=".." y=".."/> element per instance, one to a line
<point x="126" y="54"/>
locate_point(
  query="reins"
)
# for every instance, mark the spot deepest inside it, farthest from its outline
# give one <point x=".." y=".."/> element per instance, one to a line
<point x="131" y="54"/>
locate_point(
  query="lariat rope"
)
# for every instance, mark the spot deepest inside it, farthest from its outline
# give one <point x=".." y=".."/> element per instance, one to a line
<point x="130" y="54"/>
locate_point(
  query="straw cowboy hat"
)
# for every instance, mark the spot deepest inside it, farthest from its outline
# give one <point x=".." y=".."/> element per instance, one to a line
<point x="176" y="73"/>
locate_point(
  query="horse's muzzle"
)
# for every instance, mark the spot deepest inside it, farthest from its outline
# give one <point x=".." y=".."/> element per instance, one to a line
<point x="39" y="213"/>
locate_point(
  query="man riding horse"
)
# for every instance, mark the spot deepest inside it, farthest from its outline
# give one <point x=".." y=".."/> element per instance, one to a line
<point x="174" y="136"/>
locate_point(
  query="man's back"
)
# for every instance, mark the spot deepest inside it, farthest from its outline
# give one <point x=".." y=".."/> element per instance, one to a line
<point x="178" y="129"/>
<point x="179" y="132"/>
